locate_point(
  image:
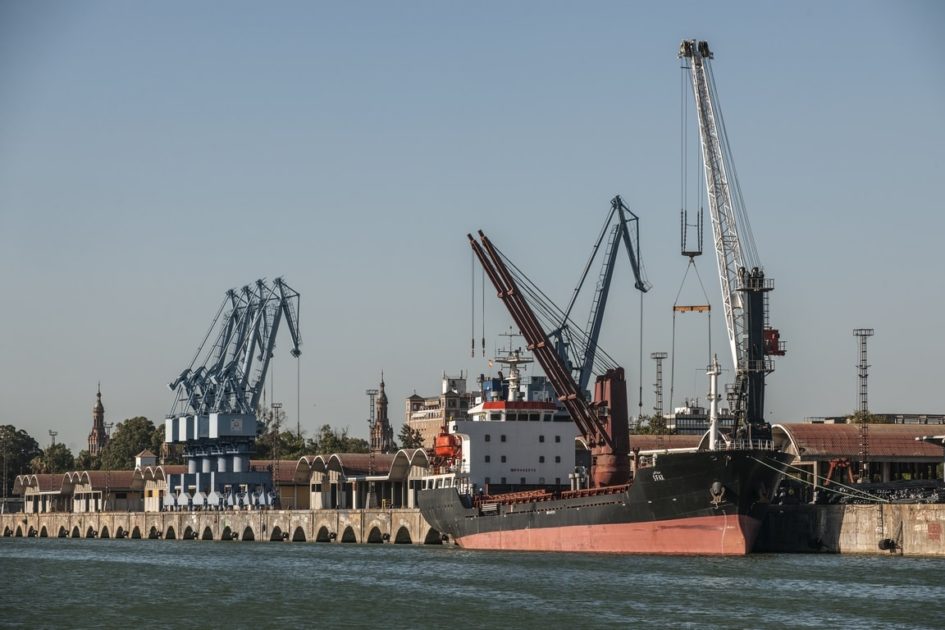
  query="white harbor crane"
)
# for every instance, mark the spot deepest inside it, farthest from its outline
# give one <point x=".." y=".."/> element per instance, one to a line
<point x="742" y="279"/>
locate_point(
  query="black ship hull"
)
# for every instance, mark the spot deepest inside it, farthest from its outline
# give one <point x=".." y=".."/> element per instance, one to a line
<point x="705" y="502"/>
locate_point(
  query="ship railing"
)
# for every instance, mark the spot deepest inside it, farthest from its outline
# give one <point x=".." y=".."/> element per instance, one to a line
<point x="746" y="445"/>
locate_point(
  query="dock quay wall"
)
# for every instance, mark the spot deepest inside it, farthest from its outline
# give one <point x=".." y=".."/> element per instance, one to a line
<point x="905" y="529"/>
<point x="405" y="526"/>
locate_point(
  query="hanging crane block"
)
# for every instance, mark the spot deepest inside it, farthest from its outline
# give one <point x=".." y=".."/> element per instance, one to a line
<point x="697" y="308"/>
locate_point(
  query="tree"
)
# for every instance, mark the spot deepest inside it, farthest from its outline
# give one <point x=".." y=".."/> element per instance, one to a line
<point x="85" y="461"/>
<point x="130" y="438"/>
<point x="55" y="459"/>
<point x="410" y="437"/>
<point x="652" y="425"/>
<point x="865" y="417"/>
<point x="334" y="441"/>
<point x="17" y="450"/>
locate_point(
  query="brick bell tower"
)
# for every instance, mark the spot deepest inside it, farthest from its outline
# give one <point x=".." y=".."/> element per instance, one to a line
<point x="382" y="435"/>
<point x="98" y="438"/>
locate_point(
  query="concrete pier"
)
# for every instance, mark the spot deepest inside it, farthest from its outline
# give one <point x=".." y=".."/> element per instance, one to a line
<point x="405" y="526"/>
<point x="904" y="529"/>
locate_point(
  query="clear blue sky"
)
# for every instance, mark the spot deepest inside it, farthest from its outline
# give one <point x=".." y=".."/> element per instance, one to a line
<point x="154" y="155"/>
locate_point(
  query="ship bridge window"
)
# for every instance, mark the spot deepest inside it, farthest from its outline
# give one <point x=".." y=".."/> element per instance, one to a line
<point x="495" y="416"/>
<point x="502" y="438"/>
<point x="488" y="438"/>
<point x="503" y="460"/>
<point x="488" y="458"/>
<point x="541" y="438"/>
<point x="511" y="417"/>
<point x="546" y="417"/>
<point x="557" y="438"/>
<point x="557" y="459"/>
<point x="541" y="459"/>
<point x="534" y="417"/>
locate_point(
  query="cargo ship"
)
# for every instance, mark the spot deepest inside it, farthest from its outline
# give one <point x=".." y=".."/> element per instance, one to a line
<point x="706" y="500"/>
<point x="700" y="502"/>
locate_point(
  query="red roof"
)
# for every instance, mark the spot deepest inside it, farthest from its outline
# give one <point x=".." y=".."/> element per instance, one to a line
<point x="113" y="479"/>
<point x="49" y="482"/>
<point x="829" y="441"/>
<point x="283" y="470"/>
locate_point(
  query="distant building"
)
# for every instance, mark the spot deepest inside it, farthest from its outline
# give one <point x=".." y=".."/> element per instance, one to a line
<point x="693" y="419"/>
<point x="98" y="438"/>
<point x="885" y="418"/>
<point x="892" y="451"/>
<point x="429" y="415"/>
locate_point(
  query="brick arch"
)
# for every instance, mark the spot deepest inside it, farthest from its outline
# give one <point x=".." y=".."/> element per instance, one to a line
<point x="170" y="534"/>
<point x="298" y="535"/>
<point x="7" y="532"/>
<point x="31" y="532"/>
<point x="403" y="536"/>
<point x="104" y="533"/>
<point x="323" y="535"/>
<point x="43" y="533"/>
<point x="375" y="535"/>
<point x="63" y="532"/>
<point x="248" y="534"/>
<point x="349" y="536"/>
<point x="227" y="533"/>
<point x="90" y="532"/>
<point x="19" y="532"/>
<point x="154" y="533"/>
<point x="432" y="537"/>
<point x="76" y="533"/>
<point x="136" y="532"/>
<point x="275" y="534"/>
<point x="120" y="532"/>
<point x="207" y="533"/>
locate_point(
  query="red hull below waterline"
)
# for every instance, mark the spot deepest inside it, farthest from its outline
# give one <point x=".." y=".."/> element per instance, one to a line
<point x="725" y="535"/>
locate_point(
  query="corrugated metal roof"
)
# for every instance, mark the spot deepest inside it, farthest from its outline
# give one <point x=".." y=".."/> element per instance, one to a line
<point x="114" y="479"/>
<point x="49" y="482"/>
<point x="829" y="441"/>
<point x="283" y="470"/>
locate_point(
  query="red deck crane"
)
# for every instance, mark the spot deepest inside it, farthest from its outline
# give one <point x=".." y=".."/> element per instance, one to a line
<point x="603" y="422"/>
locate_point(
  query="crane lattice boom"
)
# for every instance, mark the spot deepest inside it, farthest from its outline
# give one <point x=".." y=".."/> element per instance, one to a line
<point x="233" y="373"/>
<point x="743" y="283"/>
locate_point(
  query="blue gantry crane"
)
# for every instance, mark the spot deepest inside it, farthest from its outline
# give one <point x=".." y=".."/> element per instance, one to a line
<point x="217" y="395"/>
<point x="579" y="350"/>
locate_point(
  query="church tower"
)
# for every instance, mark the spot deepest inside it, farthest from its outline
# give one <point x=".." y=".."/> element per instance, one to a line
<point x="382" y="435"/>
<point x="98" y="438"/>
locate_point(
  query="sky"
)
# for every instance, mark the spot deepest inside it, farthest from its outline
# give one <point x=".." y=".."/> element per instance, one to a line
<point x="154" y="155"/>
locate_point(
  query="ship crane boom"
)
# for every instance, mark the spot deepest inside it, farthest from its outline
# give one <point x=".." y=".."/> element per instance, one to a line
<point x="603" y="423"/>
<point x="741" y="277"/>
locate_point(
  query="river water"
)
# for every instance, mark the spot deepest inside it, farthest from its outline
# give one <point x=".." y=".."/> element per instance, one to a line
<point x="126" y="583"/>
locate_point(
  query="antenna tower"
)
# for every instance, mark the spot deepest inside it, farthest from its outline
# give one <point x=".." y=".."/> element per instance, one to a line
<point x="371" y="394"/>
<point x="658" y="357"/>
<point x="53" y="435"/>
<point x="863" y="334"/>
